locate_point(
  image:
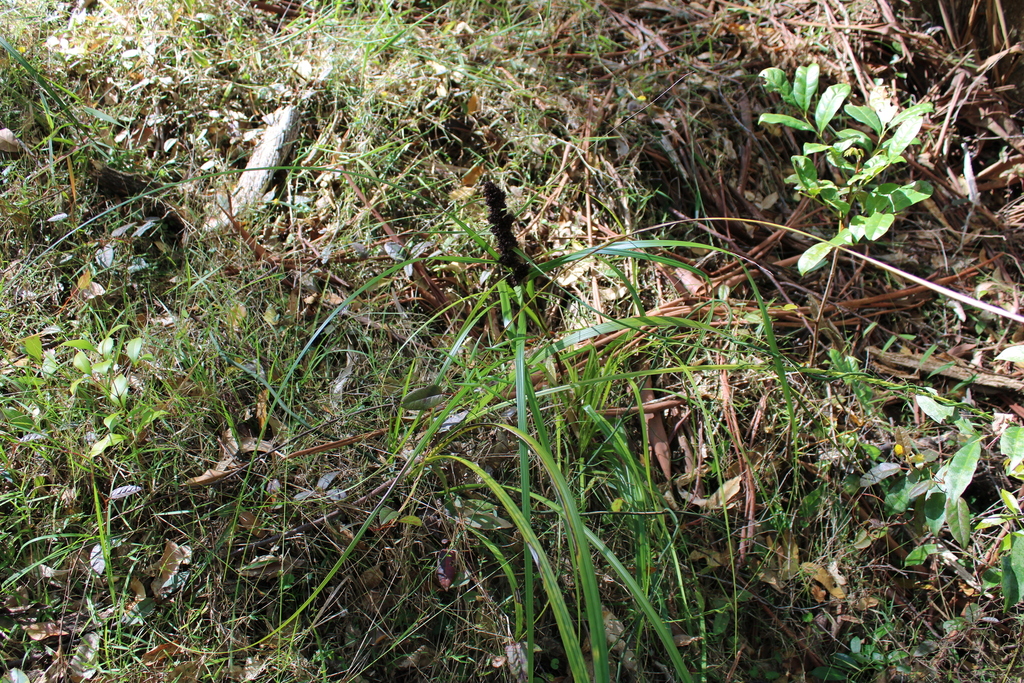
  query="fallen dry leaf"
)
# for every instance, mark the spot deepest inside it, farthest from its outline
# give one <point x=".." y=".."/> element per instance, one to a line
<point x="822" y="576"/>
<point x="160" y="652"/>
<point x="47" y="629"/>
<point x="725" y="494"/>
<point x="174" y="556"/>
<point x="84" y="663"/>
<point x="210" y="476"/>
<point x="9" y="142"/>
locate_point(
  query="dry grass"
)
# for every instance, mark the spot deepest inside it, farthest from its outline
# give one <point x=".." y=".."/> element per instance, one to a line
<point x="296" y="516"/>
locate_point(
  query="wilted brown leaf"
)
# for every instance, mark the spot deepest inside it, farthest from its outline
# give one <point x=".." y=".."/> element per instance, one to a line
<point x="85" y="661"/>
<point x="208" y="477"/>
<point x="724" y="494"/>
<point x="160" y="652"/>
<point x="822" y="576"/>
<point x="174" y="556"/>
<point x="47" y="629"/>
<point x="9" y="142"/>
<point x="473" y="175"/>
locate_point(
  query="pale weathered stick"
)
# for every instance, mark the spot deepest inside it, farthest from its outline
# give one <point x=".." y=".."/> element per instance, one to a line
<point x="271" y="151"/>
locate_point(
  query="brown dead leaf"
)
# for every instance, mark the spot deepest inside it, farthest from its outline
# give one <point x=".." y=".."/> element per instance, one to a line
<point x="615" y="633"/>
<point x="724" y="494"/>
<point x="9" y="142"/>
<point x="694" y="284"/>
<point x="787" y="556"/>
<point x="138" y="588"/>
<point x="267" y="567"/>
<point x="84" y="663"/>
<point x="865" y="602"/>
<point x="174" y="556"/>
<point x="472" y="105"/>
<point x="248" y="521"/>
<point x="682" y="640"/>
<point x="248" y="671"/>
<point x="423" y="655"/>
<point x="471" y="178"/>
<point x="186" y="672"/>
<point x="822" y="576"/>
<point x="160" y="653"/>
<point x="47" y="629"/>
<point x="210" y="476"/>
<point x="372" y="577"/>
<point x="446" y="569"/>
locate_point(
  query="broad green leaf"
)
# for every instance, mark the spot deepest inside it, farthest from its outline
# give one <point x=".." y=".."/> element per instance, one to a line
<point x="919" y="554"/>
<point x="783" y="120"/>
<point x="865" y="115"/>
<point x="96" y="113"/>
<point x="813" y="257"/>
<point x="776" y="81"/>
<point x="815" y="147"/>
<point x="106" y="346"/>
<point x="134" y="349"/>
<point x="958" y="519"/>
<point x="1014" y="354"/>
<point x="831" y="100"/>
<point x="806" y="173"/>
<point x="913" y="193"/>
<point x="423" y="398"/>
<point x="935" y="511"/>
<point x="871" y="227"/>
<point x="832" y="196"/>
<point x="843" y="238"/>
<point x="905" y="134"/>
<point x="33" y="346"/>
<point x="934" y="409"/>
<point x="82" y="364"/>
<point x="1011" y="445"/>
<point x="1010" y="501"/>
<point x="81" y="344"/>
<point x="1013" y="571"/>
<point x="119" y="390"/>
<point x="859" y="138"/>
<point x="805" y="86"/>
<point x="916" y="110"/>
<point x="961" y="468"/>
<point x="105" y="443"/>
<point x="882" y="470"/>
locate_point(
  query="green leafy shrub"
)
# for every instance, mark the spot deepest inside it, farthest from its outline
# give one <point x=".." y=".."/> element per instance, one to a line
<point x="865" y="208"/>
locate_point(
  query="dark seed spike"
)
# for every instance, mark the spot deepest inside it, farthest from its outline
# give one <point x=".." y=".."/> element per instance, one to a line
<point x="501" y="227"/>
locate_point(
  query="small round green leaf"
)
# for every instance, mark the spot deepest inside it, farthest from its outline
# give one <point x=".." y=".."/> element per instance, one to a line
<point x="813" y="257"/>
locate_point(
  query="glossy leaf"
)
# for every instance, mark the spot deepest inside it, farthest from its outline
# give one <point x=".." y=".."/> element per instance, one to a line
<point x="865" y="115"/>
<point x="1013" y="572"/>
<point x="813" y="257"/>
<point x="783" y="120"/>
<point x="958" y="519"/>
<point x="905" y="134"/>
<point x="871" y="227"/>
<point x="806" y="173"/>
<point x="805" y="86"/>
<point x="33" y="346"/>
<point x="831" y="100"/>
<point x="934" y="409"/>
<point x="961" y="468"/>
<point x="916" y="110"/>
<point x="776" y="81"/>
